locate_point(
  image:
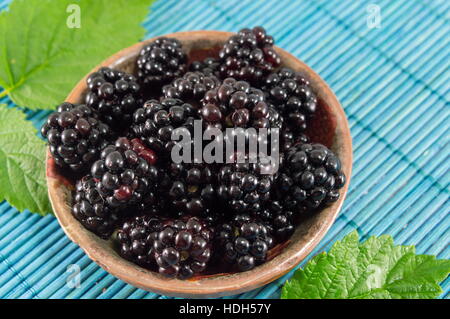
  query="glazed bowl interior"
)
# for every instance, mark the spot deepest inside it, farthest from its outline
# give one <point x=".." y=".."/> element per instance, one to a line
<point x="329" y="127"/>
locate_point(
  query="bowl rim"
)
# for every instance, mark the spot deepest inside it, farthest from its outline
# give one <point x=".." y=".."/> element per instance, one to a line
<point x="227" y="284"/>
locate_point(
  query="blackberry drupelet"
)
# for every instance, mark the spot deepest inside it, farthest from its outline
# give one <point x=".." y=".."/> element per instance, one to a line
<point x="183" y="247"/>
<point x="127" y="176"/>
<point x="160" y="62"/>
<point x="244" y="187"/>
<point x="192" y="191"/>
<point x="115" y="95"/>
<point x="311" y="177"/>
<point x="248" y="55"/>
<point x="209" y="66"/>
<point x="243" y="245"/>
<point x="75" y="136"/>
<point x="92" y="210"/>
<point x="154" y="123"/>
<point x="289" y="92"/>
<point x="135" y="239"/>
<point x="191" y="87"/>
<point x="237" y="104"/>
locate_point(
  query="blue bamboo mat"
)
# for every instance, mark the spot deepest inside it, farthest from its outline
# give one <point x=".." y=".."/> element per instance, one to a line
<point x="394" y="83"/>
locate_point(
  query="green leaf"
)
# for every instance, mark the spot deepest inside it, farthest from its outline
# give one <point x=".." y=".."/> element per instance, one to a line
<point x="41" y="58"/>
<point x="22" y="163"/>
<point x="371" y="270"/>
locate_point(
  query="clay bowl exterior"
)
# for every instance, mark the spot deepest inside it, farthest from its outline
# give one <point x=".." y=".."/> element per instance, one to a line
<point x="332" y="130"/>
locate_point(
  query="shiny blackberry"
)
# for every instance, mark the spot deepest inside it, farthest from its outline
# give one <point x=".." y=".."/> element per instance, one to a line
<point x="289" y="138"/>
<point x="115" y="95"/>
<point x="209" y="66"/>
<point x="243" y="245"/>
<point x="154" y="123"/>
<point x="291" y="95"/>
<point x="183" y="247"/>
<point x="248" y="55"/>
<point x="75" y="136"/>
<point x="135" y="239"/>
<point x="192" y="190"/>
<point x="237" y="104"/>
<point x="160" y="62"/>
<point x="279" y="220"/>
<point x="127" y="175"/>
<point x="191" y="87"/>
<point x="244" y="187"/>
<point x="311" y="177"/>
<point x="92" y="211"/>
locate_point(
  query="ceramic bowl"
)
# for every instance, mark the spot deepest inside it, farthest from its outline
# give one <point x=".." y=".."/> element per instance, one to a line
<point x="330" y="127"/>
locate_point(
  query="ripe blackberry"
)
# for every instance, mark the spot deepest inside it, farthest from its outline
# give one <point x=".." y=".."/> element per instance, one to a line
<point x="75" y="136"/>
<point x="244" y="187"/>
<point x="136" y="237"/>
<point x="192" y="190"/>
<point x="243" y="245"/>
<point x="155" y="122"/>
<point x="115" y="95"/>
<point x="248" y="55"/>
<point x="191" y="87"/>
<point x="160" y="62"/>
<point x="126" y="174"/>
<point x="237" y="104"/>
<point x="279" y="220"/>
<point x="92" y="210"/>
<point x="289" y="138"/>
<point x="209" y="66"/>
<point x="289" y="92"/>
<point x="183" y="247"/>
<point x="311" y="177"/>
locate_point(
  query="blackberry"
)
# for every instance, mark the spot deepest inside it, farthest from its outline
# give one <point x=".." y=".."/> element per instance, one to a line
<point x="75" y="136"/>
<point x="289" y="138"/>
<point x="160" y="62"/>
<point x="289" y="92"/>
<point x="279" y="220"/>
<point x="243" y="245"/>
<point x="115" y="95"/>
<point x="127" y="174"/>
<point x="244" y="187"/>
<point x="237" y="104"/>
<point x="135" y="239"/>
<point x="311" y="177"/>
<point x="191" y="87"/>
<point x="248" y="55"/>
<point x="274" y="117"/>
<point x="209" y="66"/>
<point x="192" y="190"/>
<point x="183" y="247"/>
<point x="155" y="122"/>
<point x="92" y="210"/>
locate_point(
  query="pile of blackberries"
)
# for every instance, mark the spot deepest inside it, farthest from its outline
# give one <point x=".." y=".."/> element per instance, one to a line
<point x="186" y="219"/>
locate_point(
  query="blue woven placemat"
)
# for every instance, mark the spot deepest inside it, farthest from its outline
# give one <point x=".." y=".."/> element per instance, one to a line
<point x="394" y="84"/>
